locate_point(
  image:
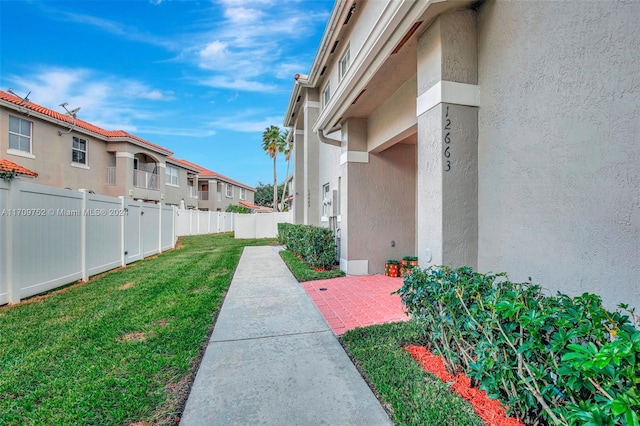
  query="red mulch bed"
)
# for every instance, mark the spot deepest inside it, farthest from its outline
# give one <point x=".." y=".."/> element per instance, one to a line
<point x="489" y="410"/>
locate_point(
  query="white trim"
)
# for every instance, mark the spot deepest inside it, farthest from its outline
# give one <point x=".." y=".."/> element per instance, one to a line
<point x="19" y="153"/>
<point x="311" y="104"/>
<point x="162" y="165"/>
<point x="448" y="92"/>
<point x="80" y="166"/>
<point x="355" y="267"/>
<point x="354" y="157"/>
<point x="175" y="186"/>
<point x="120" y="154"/>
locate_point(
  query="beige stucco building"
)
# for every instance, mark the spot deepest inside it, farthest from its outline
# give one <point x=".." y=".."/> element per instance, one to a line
<point x="499" y="135"/>
<point x="67" y="152"/>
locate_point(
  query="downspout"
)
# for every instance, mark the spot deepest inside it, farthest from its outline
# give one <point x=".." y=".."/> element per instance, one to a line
<point x="327" y="140"/>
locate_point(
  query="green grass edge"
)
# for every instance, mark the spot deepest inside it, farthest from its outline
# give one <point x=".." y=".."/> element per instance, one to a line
<point x="304" y="272"/>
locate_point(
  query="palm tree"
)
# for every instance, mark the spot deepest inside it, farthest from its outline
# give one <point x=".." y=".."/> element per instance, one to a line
<point x="272" y="143"/>
<point x="287" y="149"/>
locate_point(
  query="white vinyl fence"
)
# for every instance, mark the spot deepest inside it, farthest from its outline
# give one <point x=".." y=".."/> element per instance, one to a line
<point x="258" y="225"/>
<point x="196" y="222"/>
<point x="50" y="237"/>
<point x="261" y="225"/>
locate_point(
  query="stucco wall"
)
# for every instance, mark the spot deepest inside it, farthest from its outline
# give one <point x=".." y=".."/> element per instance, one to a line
<point x="559" y="145"/>
<point x="395" y="119"/>
<point x="381" y="207"/>
<point x="52" y="155"/>
<point x="329" y="172"/>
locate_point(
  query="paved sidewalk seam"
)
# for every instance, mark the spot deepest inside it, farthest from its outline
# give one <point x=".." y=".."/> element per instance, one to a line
<point x="270" y="336"/>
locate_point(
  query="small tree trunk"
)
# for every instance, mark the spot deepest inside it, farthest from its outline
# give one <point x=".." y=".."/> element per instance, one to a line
<point x="275" y="185"/>
<point x="284" y="187"/>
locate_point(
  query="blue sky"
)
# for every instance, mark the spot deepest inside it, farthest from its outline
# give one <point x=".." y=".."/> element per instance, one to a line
<point x="201" y="78"/>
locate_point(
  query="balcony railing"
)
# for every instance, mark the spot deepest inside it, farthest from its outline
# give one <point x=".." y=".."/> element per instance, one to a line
<point x="203" y="195"/>
<point x="111" y="176"/>
<point x="145" y="180"/>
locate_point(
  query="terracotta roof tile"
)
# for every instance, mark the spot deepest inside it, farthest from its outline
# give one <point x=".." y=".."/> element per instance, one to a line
<point x="257" y="208"/>
<point x="107" y="134"/>
<point x="8" y="166"/>
<point x="206" y="173"/>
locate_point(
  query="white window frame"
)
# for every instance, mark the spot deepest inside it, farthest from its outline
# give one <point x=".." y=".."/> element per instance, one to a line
<point x="345" y="61"/>
<point x="243" y="194"/>
<point x="172" y="176"/>
<point x="20" y="135"/>
<point x="228" y="190"/>
<point x="326" y="195"/>
<point x="326" y="94"/>
<point x="84" y="163"/>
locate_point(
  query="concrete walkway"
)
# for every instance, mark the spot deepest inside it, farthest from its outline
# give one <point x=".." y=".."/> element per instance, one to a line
<point x="273" y="360"/>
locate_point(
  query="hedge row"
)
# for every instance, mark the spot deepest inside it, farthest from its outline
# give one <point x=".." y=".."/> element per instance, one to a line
<point x="315" y="245"/>
<point x="549" y="359"/>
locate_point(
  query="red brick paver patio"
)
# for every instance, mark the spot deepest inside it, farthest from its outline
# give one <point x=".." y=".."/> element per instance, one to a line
<point x="357" y="301"/>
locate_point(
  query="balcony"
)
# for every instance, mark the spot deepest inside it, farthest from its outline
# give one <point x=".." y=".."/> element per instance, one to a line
<point x="203" y="195"/>
<point x="145" y="180"/>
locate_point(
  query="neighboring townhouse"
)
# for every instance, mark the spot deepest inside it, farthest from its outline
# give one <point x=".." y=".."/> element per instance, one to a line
<point x="14" y="169"/>
<point x="216" y="192"/>
<point x="504" y="136"/>
<point x="67" y="152"/>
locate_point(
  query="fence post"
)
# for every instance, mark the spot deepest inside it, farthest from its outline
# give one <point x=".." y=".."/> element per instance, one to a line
<point x="160" y="227"/>
<point x="13" y="287"/>
<point x="123" y="219"/>
<point x="83" y="235"/>
<point x="174" y="211"/>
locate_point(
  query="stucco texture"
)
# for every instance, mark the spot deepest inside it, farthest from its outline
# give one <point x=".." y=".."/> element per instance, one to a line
<point x="559" y="145"/>
<point x="381" y="207"/>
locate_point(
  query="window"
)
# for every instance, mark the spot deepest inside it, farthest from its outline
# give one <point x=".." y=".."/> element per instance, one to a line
<point x="243" y="194"/>
<point x="344" y="63"/>
<point x="79" y="151"/>
<point x="171" y="176"/>
<point x="229" y="190"/>
<point x="326" y="201"/>
<point x="19" y="134"/>
<point x="326" y="95"/>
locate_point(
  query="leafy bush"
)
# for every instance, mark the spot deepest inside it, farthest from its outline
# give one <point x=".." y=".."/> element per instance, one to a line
<point x="233" y="208"/>
<point x="550" y="359"/>
<point x="314" y="245"/>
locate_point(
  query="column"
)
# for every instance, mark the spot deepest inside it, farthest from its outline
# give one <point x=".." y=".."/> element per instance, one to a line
<point x="448" y="97"/>
<point x="311" y="187"/>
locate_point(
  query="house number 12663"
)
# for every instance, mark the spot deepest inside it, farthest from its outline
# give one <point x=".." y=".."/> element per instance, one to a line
<point x="447" y="141"/>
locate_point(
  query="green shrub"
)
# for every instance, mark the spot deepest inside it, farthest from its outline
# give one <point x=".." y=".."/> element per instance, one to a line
<point x="233" y="208"/>
<point x="550" y="359"/>
<point x="315" y="245"/>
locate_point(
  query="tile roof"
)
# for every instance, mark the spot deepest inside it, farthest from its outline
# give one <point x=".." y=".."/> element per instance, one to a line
<point x="8" y="166"/>
<point x="114" y="135"/>
<point x="257" y="208"/>
<point x="206" y="173"/>
<point x="107" y="134"/>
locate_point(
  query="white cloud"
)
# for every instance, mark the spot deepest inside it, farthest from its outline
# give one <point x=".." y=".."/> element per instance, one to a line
<point x="106" y="101"/>
<point x="240" y="84"/>
<point x="248" y="121"/>
<point x="245" y="50"/>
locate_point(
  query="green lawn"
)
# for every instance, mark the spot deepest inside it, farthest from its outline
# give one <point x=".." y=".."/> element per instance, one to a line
<point x="413" y="396"/>
<point x="304" y="272"/>
<point x="122" y="348"/>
